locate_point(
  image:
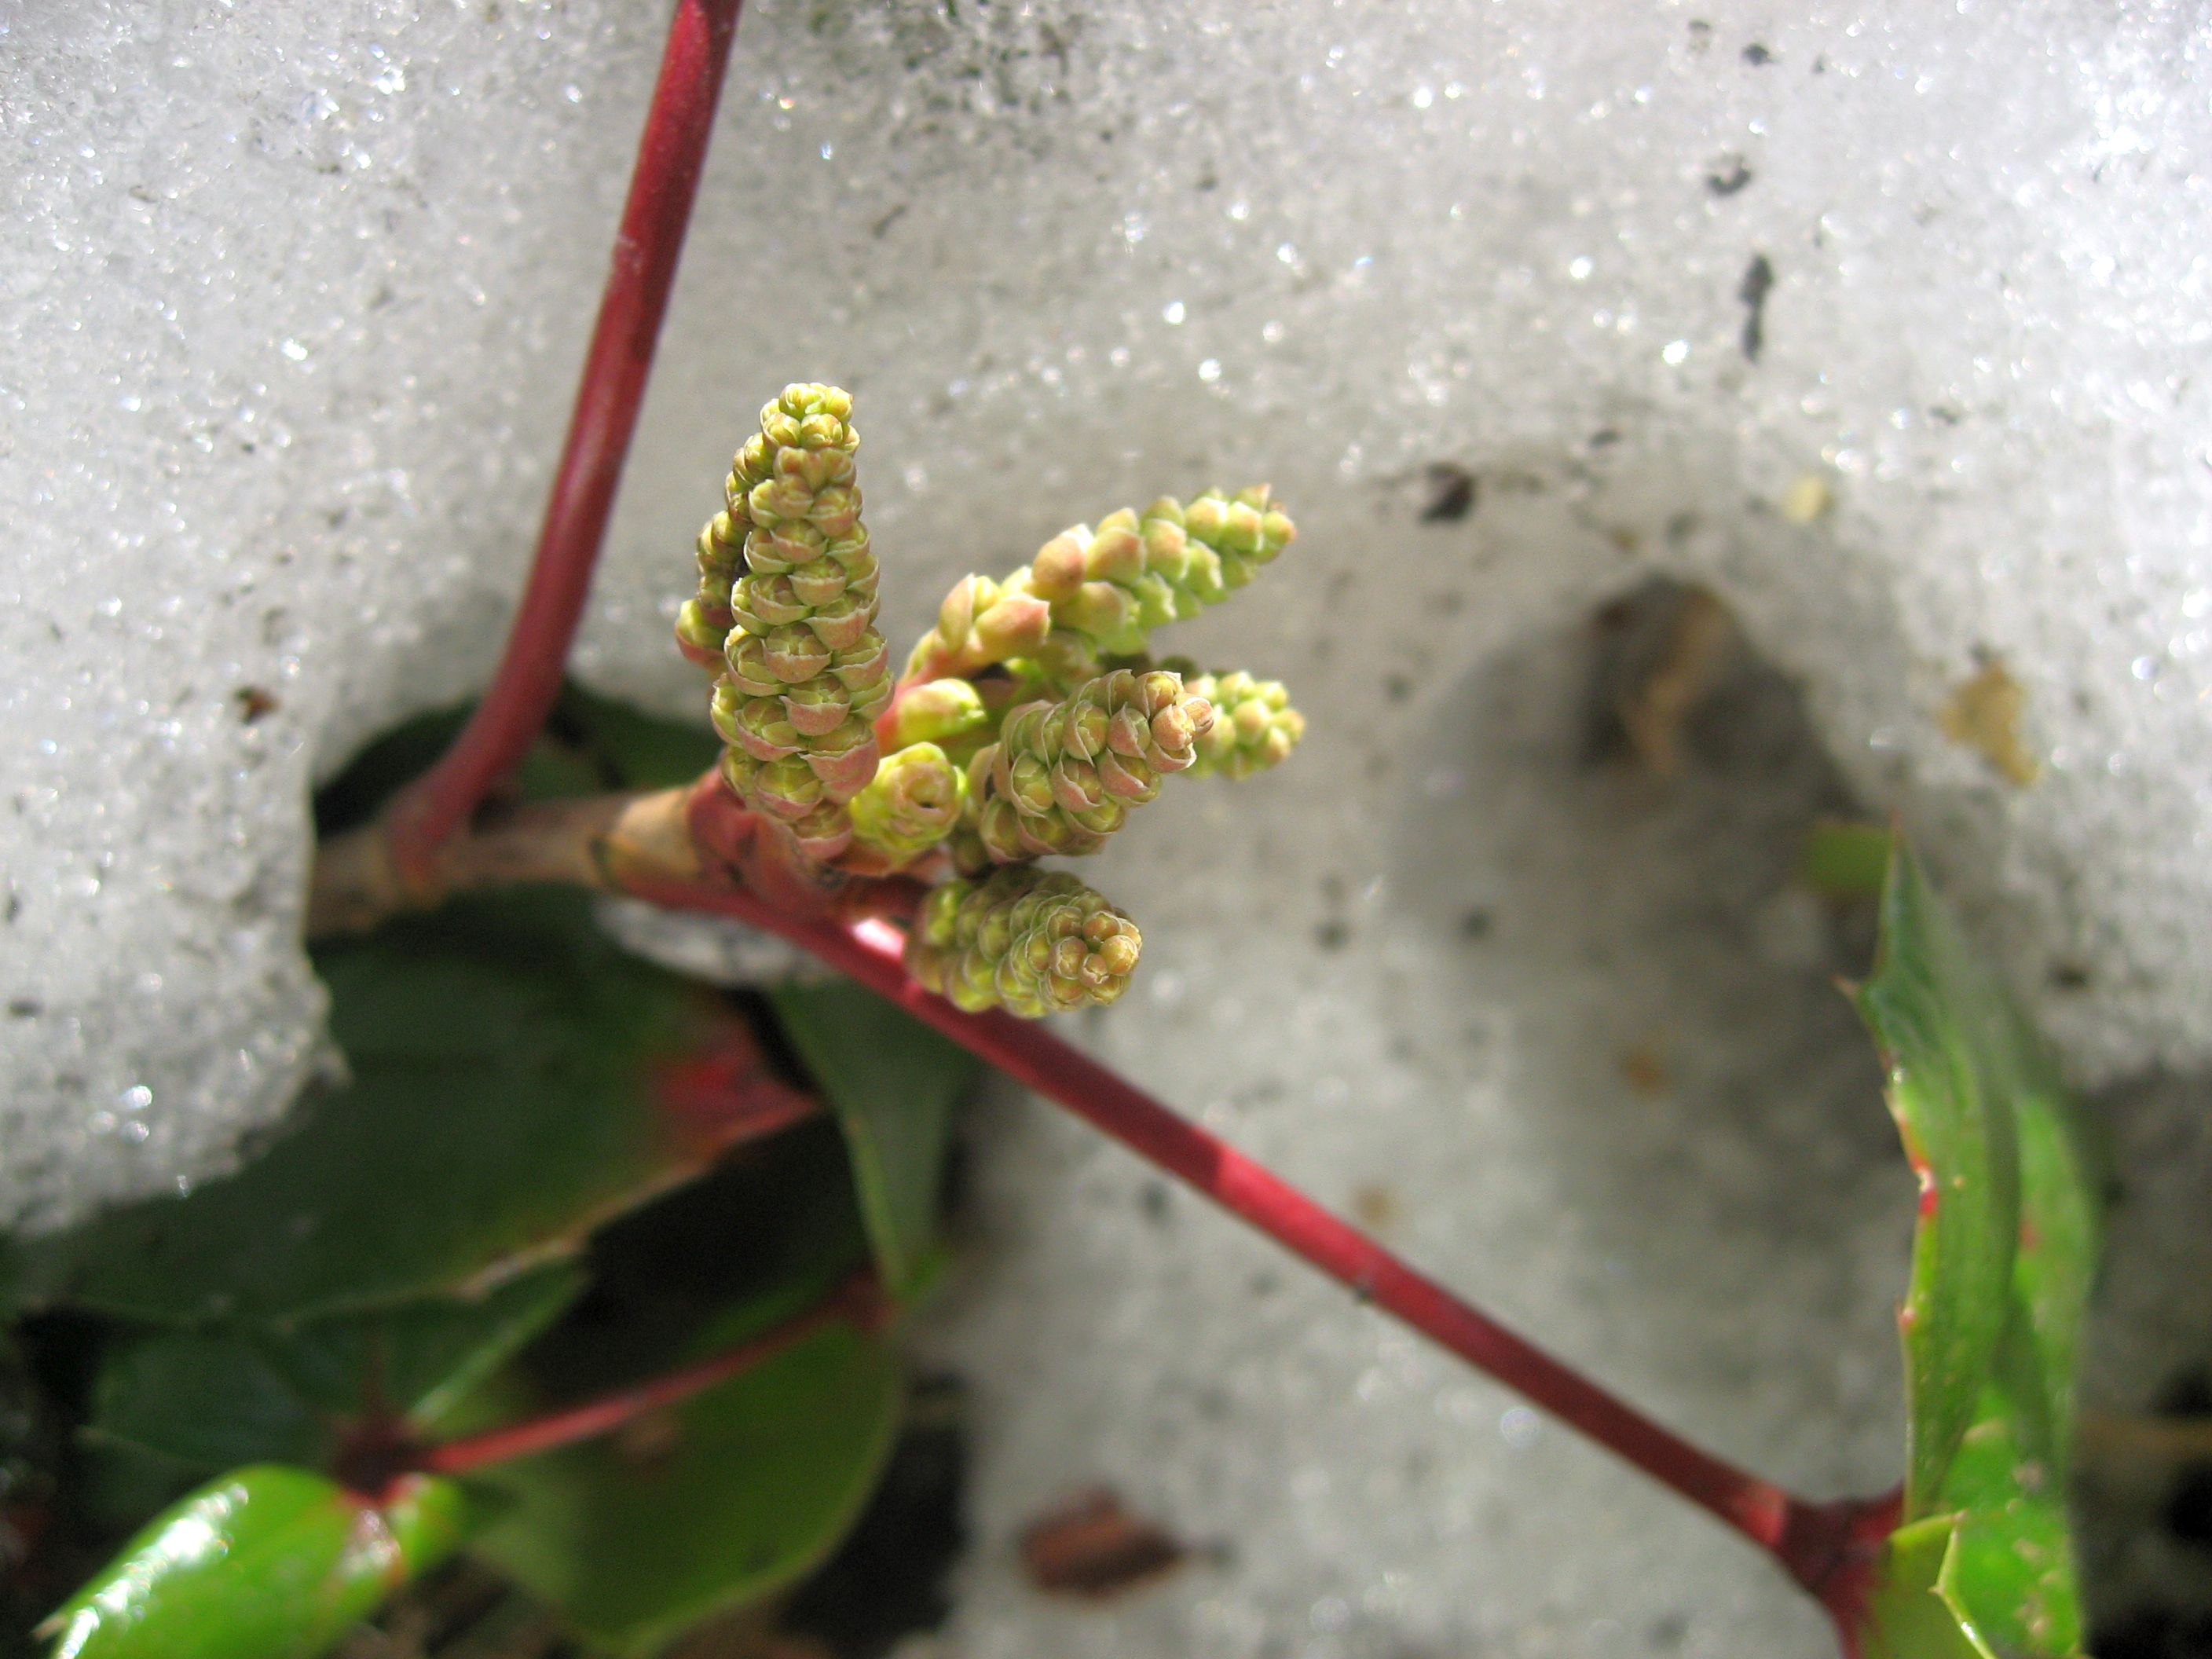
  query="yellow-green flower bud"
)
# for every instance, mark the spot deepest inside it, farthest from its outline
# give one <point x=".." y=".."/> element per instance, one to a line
<point x="1062" y="777"/>
<point x="936" y="712"/>
<point x="1032" y="941"/>
<point x="912" y="803"/>
<point x="1254" y="726"/>
<point x="804" y="671"/>
<point x="1112" y="585"/>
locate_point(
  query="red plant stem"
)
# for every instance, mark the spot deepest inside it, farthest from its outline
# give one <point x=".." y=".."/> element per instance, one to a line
<point x="1811" y="1540"/>
<point x="662" y="185"/>
<point x="857" y="1300"/>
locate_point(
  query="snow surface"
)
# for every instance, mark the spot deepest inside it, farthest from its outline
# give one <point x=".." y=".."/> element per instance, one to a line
<point x="295" y="299"/>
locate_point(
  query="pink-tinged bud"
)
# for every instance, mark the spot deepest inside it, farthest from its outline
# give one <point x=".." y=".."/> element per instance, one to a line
<point x="957" y="614"/>
<point x="1075" y="785"/>
<point x="1129" y="732"/>
<point x="1015" y="625"/>
<point x="1128" y="779"/>
<point x="820" y="583"/>
<point x="747" y="659"/>
<point x="843" y="622"/>
<point x="1116" y="554"/>
<point x="770" y="599"/>
<point x="845" y="759"/>
<point x="793" y="654"/>
<point x="1058" y="569"/>
<point x="761" y="730"/>
<point x="818" y="707"/>
<point x="786" y="789"/>
<point x="824" y="833"/>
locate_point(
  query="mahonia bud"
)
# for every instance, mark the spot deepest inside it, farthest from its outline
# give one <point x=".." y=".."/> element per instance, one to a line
<point x="805" y="674"/>
<point x="912" y="803"/>
<point x="1062" y="777"/>
<point x="703" y="625"/>
<point x="935" y="711"/>
<point x="1113" y="585"/>
<point x="1254" y="726"/>
<point x="981" y="623"/>
<point x="1032" y="941"/>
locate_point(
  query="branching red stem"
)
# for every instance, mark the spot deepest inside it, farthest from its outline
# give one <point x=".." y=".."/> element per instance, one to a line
<point x="662" y="186"/>
<point x="1812" y="1540"/>
<point x="858" y="1300"/>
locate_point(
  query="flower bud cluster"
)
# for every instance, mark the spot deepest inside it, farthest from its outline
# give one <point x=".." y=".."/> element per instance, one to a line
<point x="975" y="776"/>
<point x="911" y="804"/>
<point x="1063" y="776"/>
<point x="805" y="674"/>
<point x="1254" y="726"/>
<point x="1033" y="941"/>
<point x="1091" y="594"/>
<point x="1134" y="572"/>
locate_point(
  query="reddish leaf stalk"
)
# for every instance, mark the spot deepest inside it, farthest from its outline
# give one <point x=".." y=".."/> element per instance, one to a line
<point x="1814" y="1541"/>
<point x="662" y="186"/>
<point x="858" y="1300"/>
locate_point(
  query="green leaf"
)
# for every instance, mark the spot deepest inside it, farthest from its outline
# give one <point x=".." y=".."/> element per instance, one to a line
<point x="2002" y="1264"/>
<point x="265" y="1563"/>
<point x="743" y="1489"/>
<point x="1941" y="1028"/>
<point x="1914" y="1612"/>
<point x="892" y="1082"/>
<point x="211" y="1399"/>
<point x="2015" y="1572"/>
<point x="517" y="1080"/>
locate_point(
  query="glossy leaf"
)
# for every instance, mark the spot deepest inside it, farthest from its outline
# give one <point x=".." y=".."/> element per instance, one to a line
<point x="211" y="1399"/>
<point x="517" y="1080"/>
<point x="893" y="1082"/>
<point x="716" y="1502"/>
<point x="2002" y="1259"/>
<point x="267" y="1562"/>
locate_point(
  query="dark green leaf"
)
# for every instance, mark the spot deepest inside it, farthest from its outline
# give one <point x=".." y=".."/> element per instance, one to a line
<point x="734" y="1494"/>
<point x="2002" y="1263"/>
<point x="211" y="1399"/>
<point x="517" y="1080"/>
<point x="265" y="1563"/>
<point x="892" y="1082"/>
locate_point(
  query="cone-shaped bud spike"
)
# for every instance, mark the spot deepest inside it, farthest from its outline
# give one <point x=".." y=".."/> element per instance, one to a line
<point x="1032" y="941"/>
<point x="1061" y="777"/>
<point x="911" y="804"/>
<point x="1254" y="726"/>
<point x="1135" y="572"/>
<point x="805" y="672"/>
